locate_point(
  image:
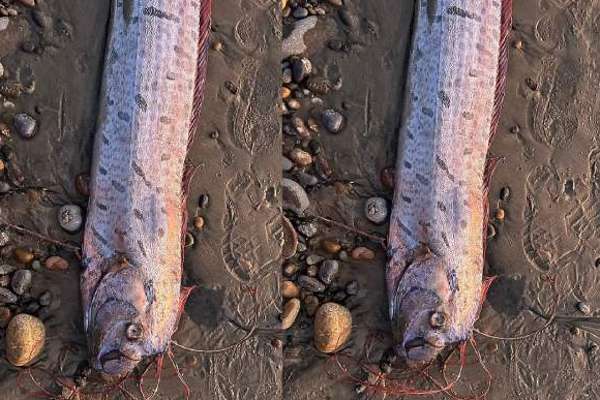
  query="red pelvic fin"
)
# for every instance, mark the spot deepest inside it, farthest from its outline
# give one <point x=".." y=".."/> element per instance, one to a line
<point x="183" y="298"/>
<point x="485" y="287"/>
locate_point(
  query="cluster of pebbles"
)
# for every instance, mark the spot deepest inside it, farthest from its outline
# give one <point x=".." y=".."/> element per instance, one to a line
<point x="312" y="282"/>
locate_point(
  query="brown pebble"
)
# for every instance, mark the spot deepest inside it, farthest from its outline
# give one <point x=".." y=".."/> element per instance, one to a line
<point x="289" y="290"/>
<point x="515" y="129"/>
<point x="25" y="338"/>
<point x="500" y="214"/>
<point x="362" y="253"/>
<point x="301" y="157"/>
<point x="333" y="326"/>
<point x="198" y="223"/>
<point x="285" y="92"/>
<point x="294" y="104"/>
<point x="5" y="315"/>
<point x="56" y="263"/>
<point x="217" y="45"/>
<point x="290" y="312"/>
<point x="2" y="166"/>
<point x="82" y="184"/>
<point x="331" y="246"/>
<point x="28" y="3"/>
<point x="4" y="130"/>
<point x="22" y="255"/>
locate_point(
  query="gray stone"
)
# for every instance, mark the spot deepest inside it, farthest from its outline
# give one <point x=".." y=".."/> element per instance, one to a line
<point x="328" y="271"/>
<point x="294" y="196"/>
<point x="308" y="229"/>
<point x="287" y="164"/>
<point x="6" y="269"/>
<point x="311" y="284"/>
<point x="332" y="120"/>
<point x="46" y="298"/>
<point x="7" y="297"/>
<point x="300" y="12"/>
<point x="314" y="259"/>
<point x="21" y="281"/>
<point x="294" y="44"/>
<point x="301" y="68"/>
<point x="376" y="210"/>
<point x="25" y="125"/>
<point x="4" y="23"/>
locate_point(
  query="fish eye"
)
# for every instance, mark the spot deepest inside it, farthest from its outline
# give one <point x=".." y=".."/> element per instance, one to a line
<point x="437" y="319"/>
<point x="134" y="331"/>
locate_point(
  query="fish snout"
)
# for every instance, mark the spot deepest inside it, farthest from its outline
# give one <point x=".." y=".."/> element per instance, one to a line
<point x="420" y="351"/>
<point x="118" y="363"/>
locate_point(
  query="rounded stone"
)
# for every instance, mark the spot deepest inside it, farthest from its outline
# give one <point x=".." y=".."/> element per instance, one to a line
<point x="289" y="290"/>
<point x="25" y="125"/>
<point x="294" y="197"/>
<point x="301" y="69"/>
<point x="331" y="246"/>
<point x="333" y="326"/>
<point x="300" y="157"/>
<point x="21" y="281"/>
<point x="7" y="297"/>
<point x="290" y="239"/>
<point x="311" y="284"/>
<point x="70" y="217"/>
<point x="332" y="120"/>
<point x="308" y="229"/>
<point x="328" y="271"/>
<point x="22" y="255"/>
<point x="56" y="263"/>
<point x="376" y="210"/>
<point x="290" y="312"/>
<point x="362" y="254"/>
<point x="25" y="338"/>
<point x="300" y="12"/>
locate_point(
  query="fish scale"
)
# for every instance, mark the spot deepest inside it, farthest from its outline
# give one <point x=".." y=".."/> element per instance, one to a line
<point x="452" y="96"/>
<point x="151" y="95"/>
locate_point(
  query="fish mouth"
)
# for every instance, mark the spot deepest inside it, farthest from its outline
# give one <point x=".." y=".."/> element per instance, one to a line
<point x="420" y="342"/>
<point x="118" y="355"/>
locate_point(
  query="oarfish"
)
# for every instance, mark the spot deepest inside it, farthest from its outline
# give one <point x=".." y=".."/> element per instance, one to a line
<point x="151" y="94"/>
<point x="436" y="242"/>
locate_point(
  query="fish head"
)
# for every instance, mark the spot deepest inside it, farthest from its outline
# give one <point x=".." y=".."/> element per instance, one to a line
<point x="422" y="312"/>
<point x="119" y="334"/>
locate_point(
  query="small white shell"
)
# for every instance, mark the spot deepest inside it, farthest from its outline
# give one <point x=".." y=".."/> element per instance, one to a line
<point x="70" y="217"/>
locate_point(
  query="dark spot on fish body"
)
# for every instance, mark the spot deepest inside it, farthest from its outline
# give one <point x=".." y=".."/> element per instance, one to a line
<point x="165" y="157"/>
<point x="123" y="116"/>
<point x="422" y="179"/>
<point x="403" y="227"/>
<point x="468" y="151"/>
<point x="105" y="139"/>
<point x="165" y="120"/>
<point x="99" y="236"/>
<point x="101" y="206"/>
<point x="445" y="239"/>
<point x="410" y="134"/>
<point x="452" y="280"/>
<point x="119" y="187"/>
<point x="141" y="246"/>
<point x="161" y="232"/>
<point x="407" y="165"/>
<point x="102" y="171"/>
<point x="406" y="199"/>
<point x="463" y="224"/>
<point x="149" y="291"/>
<point x="418" y="54"/>
<point x="444" y="167"/>
<point x="460" y="12"/>
<point x="442" y="207"/>
<point x="468" y="116"/>
<point x="155" y="12"/>
<point x="140" y="172"/>
<point x="138" y="214"/>
<point x="444" y="98"/>
<point x="141" y="103"/>
<point x="427" y="111"/>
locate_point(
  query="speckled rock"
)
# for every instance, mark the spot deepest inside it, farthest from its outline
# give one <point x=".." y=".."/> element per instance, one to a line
<point x="311" y="284"/>
<point x="294" y="44"/>
<point x="7" y="297"/>
<point x="332" y="120"/>
<point x="333" y="326"/>
<point x="21" y="281"/>
<point x="294" y="197"/>
<point x="376" y="210"/>
<point x="25" y="337"/>
<point x="328" y="271"/>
